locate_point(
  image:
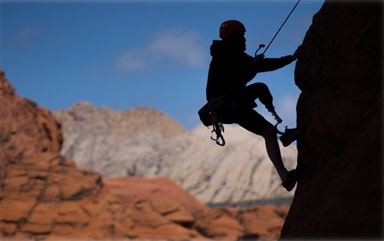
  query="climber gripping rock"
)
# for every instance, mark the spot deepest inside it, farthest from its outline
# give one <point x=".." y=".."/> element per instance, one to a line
<point x="231" y="100"/>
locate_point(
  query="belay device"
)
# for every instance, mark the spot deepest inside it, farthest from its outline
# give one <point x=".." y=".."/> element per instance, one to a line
<point x="210" y="116"/>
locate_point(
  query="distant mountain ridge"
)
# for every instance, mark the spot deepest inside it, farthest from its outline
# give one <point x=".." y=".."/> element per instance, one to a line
<point x="145" y="142"/>
<point x="131" y="122"/>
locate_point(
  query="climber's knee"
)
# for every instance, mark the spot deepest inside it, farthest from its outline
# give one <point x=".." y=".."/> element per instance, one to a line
<point x="261" y="91"/>
<point x="262" y="87"/>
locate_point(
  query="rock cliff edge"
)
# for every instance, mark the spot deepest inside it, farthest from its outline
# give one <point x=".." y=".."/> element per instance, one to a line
<point x="339" y="192"/>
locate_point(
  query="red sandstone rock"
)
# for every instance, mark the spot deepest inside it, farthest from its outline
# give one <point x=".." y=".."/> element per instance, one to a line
<point x="219" y="224"/>
<point x="264" y="222"/>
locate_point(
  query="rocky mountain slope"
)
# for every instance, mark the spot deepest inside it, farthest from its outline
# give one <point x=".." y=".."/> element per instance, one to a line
<point x="103" y="139"/>
<point x="95" y="136"/>
<point x="44" y="196"/>
<point x="340" y="158"/>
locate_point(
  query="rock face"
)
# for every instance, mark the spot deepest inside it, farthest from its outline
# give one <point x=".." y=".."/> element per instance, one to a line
<point x="102" y="139"/>
<point x="44" y="196"/>
<point x="339" y="194"/>
<point x="24" y="127"/>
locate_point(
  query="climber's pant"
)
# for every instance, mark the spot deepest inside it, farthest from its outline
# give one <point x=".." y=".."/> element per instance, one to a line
<point x="261" y="91"/>
<point x="238" y="108"/>
<point x="249" y="118"/>
<point x="252" y="121"/>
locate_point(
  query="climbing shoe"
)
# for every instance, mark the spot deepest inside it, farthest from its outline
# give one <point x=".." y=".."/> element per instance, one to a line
<point x="290" y="183"/>
<point x="290" y="135"/>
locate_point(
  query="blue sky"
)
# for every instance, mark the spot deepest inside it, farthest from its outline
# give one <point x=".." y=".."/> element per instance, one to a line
<point x="124" y="54"/>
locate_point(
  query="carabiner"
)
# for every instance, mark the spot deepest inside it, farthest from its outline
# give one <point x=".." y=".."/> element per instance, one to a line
<point x="217" y="137"/>
<point x="220" y="141"/>
<point x="214" y="135"/>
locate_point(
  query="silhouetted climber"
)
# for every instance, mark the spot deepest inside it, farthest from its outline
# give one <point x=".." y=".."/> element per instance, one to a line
<point x="231" y="100"/>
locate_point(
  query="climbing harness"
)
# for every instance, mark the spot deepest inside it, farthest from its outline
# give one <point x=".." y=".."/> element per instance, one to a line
<point x="290" y="13"/>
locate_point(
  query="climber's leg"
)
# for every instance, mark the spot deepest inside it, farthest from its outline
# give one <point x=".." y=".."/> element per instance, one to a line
<point x="255" y="123"/>
<point x="261" y="91"/>
<point x="273" y="150"/>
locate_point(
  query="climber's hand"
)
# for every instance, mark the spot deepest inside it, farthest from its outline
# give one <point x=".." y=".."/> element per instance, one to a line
<point x="296" y="54"/>
<point x="258" y="58"/>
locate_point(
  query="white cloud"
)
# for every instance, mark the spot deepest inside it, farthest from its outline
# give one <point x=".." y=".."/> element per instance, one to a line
<point x="134" y="60"/>
<point x="180" y="47"/>
<point x="23" y="37"/>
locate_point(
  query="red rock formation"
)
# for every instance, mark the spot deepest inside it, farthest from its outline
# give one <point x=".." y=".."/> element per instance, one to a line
<point x="24" y="127"/>
<point x="339" y="194"/>
<point x="44" y="196"/>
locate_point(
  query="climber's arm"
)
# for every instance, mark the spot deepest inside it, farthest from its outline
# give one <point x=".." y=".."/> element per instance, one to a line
<point x="262" y="64"/>
<point x="270" y="64"/>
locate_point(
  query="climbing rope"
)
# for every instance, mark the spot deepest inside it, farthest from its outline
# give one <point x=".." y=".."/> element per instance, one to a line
<point x="262" y="46"/>
<point x="286" y="19"/>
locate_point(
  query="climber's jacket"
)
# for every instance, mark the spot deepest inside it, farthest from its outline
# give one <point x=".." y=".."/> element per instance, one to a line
<point x="231" y="68"/>
<point x="229" y="72"/>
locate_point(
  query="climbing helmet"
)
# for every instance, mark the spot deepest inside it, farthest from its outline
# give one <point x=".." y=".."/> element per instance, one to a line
<point x="231" y="28"/>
